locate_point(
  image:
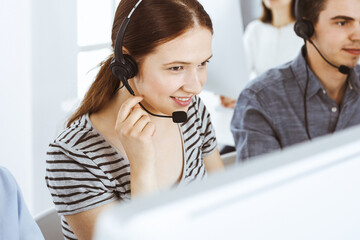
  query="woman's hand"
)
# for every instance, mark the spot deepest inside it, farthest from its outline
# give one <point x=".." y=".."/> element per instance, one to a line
<point x="136" y="131"/>
<point x="227" y="102"/>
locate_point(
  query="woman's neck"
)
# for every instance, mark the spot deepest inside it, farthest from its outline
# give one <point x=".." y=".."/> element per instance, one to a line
<point x="281" y="17"/>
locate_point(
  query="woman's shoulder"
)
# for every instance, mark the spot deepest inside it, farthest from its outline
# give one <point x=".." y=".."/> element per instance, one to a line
<point x="196" y="109"/>
<point x="255" y="29"/>
<point x="256" y="25"/>
<point x="77" y="133"/>
<point x="198" y="117"/>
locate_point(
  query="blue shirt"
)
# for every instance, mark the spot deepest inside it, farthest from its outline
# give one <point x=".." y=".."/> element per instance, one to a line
<point x="15" y="220"/>
<point x="269" y="113"/>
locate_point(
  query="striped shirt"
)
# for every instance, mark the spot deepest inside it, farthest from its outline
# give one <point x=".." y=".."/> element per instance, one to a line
<point x="84" y="171"/>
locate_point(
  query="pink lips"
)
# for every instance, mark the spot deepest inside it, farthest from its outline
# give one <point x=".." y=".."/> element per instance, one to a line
<point x="182" y="101"/>
<point x="353" y="51"/>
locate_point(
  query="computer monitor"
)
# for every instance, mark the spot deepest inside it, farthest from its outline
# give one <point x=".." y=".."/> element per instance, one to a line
<point x="227" y="70"/>
<point x="309" y="191"/>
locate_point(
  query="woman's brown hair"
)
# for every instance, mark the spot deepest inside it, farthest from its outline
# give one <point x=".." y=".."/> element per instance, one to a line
<point x="267" y="14"/>
<point x="153" y="22"/>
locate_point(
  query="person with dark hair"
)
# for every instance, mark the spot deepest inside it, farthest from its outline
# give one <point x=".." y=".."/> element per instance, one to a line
<point x="114" y="148"/>
<point x="16" y="221"/>
<point x="317" y="93"/>
<point x="269" y="41"/>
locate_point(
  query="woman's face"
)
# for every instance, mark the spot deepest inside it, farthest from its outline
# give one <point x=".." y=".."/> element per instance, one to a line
<point x="175" y="72"/>
<point x="274" y="4"/>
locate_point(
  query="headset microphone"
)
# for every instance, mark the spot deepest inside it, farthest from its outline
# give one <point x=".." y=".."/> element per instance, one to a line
<point x="124" y="67"/>
<point x="342" y="68"/>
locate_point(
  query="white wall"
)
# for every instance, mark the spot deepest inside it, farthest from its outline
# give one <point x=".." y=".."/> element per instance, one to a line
<point x="38" y="72"/>
<point x="250" y="9"/>
<point x="54" y="79"/>
<point x="15" y="92"/>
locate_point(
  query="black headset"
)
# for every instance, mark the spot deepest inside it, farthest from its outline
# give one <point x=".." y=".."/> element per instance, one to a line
<point x="124" y="67"/>
<point x="303" y="28"/>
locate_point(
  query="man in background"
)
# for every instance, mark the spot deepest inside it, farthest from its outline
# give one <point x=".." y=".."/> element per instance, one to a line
<point x="315" y="94"/>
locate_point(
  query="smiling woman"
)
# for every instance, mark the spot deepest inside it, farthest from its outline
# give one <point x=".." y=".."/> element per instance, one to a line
<point x="112" y="149"/>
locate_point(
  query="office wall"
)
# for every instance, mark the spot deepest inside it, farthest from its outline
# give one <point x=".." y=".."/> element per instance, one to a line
<point x="37" y="76"/>
<point x="54" y="80"/>
<point x="250" y="10"/>
<point x="16" y="92"/>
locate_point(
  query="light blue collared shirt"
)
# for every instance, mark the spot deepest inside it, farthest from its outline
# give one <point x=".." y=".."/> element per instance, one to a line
<point x="16" y="222"/>
<point x="269" y="114"/>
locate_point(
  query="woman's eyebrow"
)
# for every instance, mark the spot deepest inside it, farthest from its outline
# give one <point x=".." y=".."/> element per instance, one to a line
<point x="184" y="63"/>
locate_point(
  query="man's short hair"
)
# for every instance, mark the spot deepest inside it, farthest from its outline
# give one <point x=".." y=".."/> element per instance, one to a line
<point x="310" y="9"/>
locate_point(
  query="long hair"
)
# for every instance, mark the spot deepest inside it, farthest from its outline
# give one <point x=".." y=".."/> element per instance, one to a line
<point x="154" y="22"/>
<point x="267" y="16"/>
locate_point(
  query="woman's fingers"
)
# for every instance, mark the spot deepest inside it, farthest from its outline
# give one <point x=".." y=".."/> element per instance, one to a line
<point x="133" y="120"/>
<point x="127" y="107"/>
<point x="140" y="124"/>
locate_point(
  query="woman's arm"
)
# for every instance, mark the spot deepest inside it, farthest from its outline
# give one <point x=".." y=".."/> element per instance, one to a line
<point x="83" y="223"/>
<point x="213" y="162"/>
<point x="136" y="131"/>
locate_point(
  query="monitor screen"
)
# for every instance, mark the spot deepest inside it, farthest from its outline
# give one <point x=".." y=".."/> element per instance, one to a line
<point x="227" y="70"/>
<point x="309" y="191"/>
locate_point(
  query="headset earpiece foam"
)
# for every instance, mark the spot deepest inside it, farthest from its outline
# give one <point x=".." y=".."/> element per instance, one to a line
<point x="127" y="70"/>
<point x="304" y="29"/>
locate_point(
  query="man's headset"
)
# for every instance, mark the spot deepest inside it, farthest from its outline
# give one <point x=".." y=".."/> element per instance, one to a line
<point x="304" y="28"/>
<point x="124" y="67"/>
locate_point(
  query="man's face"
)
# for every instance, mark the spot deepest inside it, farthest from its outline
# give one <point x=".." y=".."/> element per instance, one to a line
<point x="337" y="32"/>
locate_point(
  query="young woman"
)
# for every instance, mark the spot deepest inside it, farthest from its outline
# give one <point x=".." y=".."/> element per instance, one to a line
<point x="112" y="149"/>
<point x="270" y="41"/>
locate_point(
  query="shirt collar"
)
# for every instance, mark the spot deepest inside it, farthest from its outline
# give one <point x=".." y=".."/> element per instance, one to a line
<point x="354" y="81"/>
<point x="314" y="86"/>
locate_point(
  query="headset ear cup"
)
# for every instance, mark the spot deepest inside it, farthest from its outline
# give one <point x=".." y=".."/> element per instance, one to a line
<point x="131" y="66"/>
<point x="304" y="29"/>
<point x="127" y="70"/>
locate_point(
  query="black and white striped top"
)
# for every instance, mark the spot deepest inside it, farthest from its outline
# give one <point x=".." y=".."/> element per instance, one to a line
<point x="84" y="171"/>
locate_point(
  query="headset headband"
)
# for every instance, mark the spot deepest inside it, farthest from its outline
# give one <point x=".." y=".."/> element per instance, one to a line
<point x="119" y="57"/>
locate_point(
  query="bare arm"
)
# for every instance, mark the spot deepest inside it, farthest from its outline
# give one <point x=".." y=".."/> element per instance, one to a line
<point x="83" y="223"/>
<point x="213" y="162"/>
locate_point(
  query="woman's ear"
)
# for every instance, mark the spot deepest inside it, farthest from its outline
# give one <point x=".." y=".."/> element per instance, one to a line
<point x="125" y="51"/>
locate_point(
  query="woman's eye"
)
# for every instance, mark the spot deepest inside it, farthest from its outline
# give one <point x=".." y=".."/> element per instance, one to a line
<point x="178" y="68"/>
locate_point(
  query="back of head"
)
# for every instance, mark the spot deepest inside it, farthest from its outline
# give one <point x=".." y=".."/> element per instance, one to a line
<point x="153" y="22"/>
